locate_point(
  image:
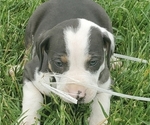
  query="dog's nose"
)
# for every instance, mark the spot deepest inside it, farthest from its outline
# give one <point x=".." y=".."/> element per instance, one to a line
<point x="80" y="96"/>
<point x="76" y="91"/>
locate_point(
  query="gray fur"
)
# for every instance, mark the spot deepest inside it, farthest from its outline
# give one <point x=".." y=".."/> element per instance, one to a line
<point x="50" y="14"/>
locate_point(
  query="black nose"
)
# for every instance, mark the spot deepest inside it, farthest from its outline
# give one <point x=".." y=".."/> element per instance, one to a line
<point x="79" y="92"/>
<point x="80" y="97"/>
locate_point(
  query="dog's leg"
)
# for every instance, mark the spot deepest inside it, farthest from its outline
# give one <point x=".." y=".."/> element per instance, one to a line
<point x="32" y="100"/>
<point x="97" y="116"/>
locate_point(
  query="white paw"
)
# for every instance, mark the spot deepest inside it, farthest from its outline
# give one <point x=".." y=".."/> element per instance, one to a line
<point x="102" y="122"/>
<point x="28" y="122"/>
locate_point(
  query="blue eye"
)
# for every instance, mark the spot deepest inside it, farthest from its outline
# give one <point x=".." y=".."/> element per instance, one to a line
<point x="92" y="62"/>
<point x="58" y="63"/>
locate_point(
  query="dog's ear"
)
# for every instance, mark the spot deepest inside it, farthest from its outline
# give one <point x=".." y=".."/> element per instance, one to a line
<point x="42" y="46"/>
<point x="109" y="45"/>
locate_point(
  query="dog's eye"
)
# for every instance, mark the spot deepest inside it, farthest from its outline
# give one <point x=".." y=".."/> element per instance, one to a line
<point x="58" y="63"/>
<point x="92" y="62"/>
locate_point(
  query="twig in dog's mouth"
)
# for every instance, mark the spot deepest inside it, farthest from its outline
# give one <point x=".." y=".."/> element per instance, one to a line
<point x="100" y="90"/>
<point x="60" y="93"/>
<point x="130" y="58"/>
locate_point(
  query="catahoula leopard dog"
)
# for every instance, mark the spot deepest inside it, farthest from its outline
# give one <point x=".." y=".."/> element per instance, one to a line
<point x="71" y="41"/>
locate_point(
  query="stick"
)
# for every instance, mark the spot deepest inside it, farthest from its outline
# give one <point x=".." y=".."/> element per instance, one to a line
<point x="130" y="58"/>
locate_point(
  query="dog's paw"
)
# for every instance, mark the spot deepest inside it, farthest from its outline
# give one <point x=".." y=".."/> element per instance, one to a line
<point x="25" y="122"/>
<point x="104" y="122"/>
<point x="115" y="63"/>
<point x="97" y="122"/>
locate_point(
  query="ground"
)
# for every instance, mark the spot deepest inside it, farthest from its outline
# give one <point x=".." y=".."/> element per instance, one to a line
<point x="131" y="26"/>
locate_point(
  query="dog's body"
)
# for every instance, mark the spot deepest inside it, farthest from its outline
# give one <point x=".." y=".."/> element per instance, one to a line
<point x="76" y="49"/>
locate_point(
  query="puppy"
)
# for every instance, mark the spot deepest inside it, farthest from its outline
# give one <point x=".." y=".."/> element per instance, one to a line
<point x="71" y="41"/>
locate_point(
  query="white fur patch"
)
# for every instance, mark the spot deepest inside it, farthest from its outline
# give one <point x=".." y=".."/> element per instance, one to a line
<point x="32" y="100"/>
<point x="40" y="78"/>
<point x="77" y="43"/>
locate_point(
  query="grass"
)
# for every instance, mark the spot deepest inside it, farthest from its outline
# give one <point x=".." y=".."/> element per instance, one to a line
<point x="131" y="24"/>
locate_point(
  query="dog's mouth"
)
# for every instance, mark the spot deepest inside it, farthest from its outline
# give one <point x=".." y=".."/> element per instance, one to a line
<point x="82" y="94"/>
<point x="78" y="97"/>
<point x="81" y="90"/>
<point x="77" y="92"/>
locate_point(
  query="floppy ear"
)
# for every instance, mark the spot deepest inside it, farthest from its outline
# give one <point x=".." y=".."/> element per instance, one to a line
<point x="109" y="44"/>
<point x="41" y="46"/>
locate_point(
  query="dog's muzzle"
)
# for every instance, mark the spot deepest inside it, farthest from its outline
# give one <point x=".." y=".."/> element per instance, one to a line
<point x="78" y="86"/>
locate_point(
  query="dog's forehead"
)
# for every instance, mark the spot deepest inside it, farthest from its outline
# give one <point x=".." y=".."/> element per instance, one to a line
<point x="83" y="42"/>
<point x="76" y="36"/>
<point x="85" y="39"/>
<point x="58" y="44"/>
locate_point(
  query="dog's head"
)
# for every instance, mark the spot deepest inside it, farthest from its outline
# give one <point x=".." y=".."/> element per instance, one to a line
<point x="79" y="50"/>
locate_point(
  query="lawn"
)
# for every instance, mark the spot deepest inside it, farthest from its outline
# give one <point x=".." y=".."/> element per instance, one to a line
<point x="131" y="25"/>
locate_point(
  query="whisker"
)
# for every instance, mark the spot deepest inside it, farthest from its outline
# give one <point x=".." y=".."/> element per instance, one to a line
<point x="54" y="83"/>
<point x="68" y="97"/>
<point x="61" y="75"/>
<point x="60" y="93"/>
<point x="123" y="95"/>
